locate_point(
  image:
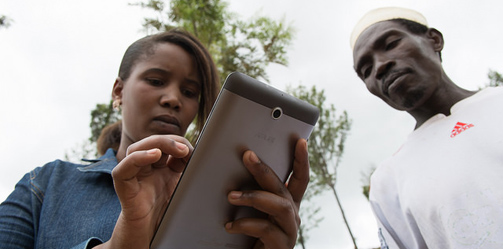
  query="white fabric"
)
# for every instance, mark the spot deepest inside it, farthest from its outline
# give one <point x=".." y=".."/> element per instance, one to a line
<point x="444" y="189"/>
<point x="384" y="14"/>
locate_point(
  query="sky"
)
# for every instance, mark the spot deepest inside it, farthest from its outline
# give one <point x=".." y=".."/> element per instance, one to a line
<point x="60" y="58"/>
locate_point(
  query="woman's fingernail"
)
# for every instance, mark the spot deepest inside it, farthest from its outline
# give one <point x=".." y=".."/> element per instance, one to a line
<point x="152" y="151"/>
<point x="236" y="194"/>
<point x="181" y="146"/>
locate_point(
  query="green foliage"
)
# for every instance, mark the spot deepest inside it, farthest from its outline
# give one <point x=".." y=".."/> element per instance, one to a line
<point x="204" y="19"/>
<point x="366" y="181"/>
<point x="235" y="45"/>
<point x="366" y="191"/>
<point x="495" y="79"/>
<point x="101" y="116"/>
<point x="5" y="21"/>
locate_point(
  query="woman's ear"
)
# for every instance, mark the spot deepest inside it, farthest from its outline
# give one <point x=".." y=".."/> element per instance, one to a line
<point x="117" y="89"/>
<point x="436" y="38"/>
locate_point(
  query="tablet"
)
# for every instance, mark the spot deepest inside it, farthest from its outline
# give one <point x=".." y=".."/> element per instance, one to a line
<point x="248" y="115"/>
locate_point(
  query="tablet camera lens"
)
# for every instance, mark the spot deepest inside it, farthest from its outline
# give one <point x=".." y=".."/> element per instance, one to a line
<point x="277" y="112"/>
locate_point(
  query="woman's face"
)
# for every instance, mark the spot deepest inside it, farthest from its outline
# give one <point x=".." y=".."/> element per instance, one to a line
<point x="161" y="96"/>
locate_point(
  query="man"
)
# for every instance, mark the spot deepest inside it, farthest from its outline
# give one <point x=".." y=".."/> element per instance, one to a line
<point x="443" y="188"/>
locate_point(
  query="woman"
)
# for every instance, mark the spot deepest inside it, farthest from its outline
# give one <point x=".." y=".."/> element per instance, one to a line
<point x="165" y="82"/>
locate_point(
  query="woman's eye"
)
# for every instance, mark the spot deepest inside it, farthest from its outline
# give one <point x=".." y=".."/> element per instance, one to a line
<point x="190" y="93"/>
<point x="155" y="82"/>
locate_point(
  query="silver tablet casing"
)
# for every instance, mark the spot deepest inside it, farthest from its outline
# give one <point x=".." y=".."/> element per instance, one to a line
<point x="241" y="119"/>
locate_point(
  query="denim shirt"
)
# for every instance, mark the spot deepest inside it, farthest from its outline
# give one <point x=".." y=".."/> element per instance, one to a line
<point x="61" y="205"/>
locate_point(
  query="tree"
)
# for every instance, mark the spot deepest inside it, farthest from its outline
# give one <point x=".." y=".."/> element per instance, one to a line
<point x="309" y="215"/>
<point x="236" y="45"/>
<point x="366" y="181"/>
<point x="325" y="145"/>
<point x="495" y="79"/>
<point x="101" y="116"/>
<point x="5" y="21"/>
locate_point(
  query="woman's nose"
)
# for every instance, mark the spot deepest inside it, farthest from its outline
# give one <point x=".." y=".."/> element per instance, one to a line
<point x="171" y="97"/>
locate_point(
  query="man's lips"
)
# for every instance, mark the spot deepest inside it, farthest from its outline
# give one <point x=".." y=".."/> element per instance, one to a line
<point x="390" y="78"/>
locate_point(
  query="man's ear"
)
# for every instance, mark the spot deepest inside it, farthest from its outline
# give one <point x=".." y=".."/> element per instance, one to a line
<point x="117" y="90"/>
<point x="436" y="39"/>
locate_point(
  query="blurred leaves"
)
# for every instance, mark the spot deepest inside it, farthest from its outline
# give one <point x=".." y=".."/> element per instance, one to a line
<point x="495" y="79"/>
<point x="101" y="116"/>
<point x="235" y="45"/>
<point x="5" y="21"/>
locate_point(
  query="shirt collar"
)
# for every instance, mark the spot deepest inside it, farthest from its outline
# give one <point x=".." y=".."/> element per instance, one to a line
<point x="104" y="164"/>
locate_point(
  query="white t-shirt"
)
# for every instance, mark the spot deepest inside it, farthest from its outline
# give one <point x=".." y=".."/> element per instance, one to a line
<point x="444" y="187"/>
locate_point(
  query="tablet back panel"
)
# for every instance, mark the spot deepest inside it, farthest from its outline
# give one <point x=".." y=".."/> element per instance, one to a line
<point x="241" y="119"/>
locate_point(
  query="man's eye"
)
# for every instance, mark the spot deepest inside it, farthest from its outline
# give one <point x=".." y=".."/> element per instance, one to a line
<point x="392" y="44"/>
<point x="366" y="71"/>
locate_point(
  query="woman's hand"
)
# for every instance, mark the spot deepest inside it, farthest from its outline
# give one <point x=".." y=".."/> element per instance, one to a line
<point x="281" y="202"/>
<point x="144" y="181"/>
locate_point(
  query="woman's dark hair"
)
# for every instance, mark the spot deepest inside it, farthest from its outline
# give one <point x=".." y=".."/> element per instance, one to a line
<point x="110" y="137"/>
<point x="210" y="84"/>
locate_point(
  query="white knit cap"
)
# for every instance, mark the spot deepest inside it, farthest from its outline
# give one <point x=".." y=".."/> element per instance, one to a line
<point x="384" y="14"/>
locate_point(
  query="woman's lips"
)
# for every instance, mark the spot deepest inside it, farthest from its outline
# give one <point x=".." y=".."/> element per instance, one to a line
<point x="167" y="123"/>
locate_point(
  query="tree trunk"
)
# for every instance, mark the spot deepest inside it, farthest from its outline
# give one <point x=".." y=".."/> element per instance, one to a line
<point x="301" y="237"/>
<point x="332" y="186"/>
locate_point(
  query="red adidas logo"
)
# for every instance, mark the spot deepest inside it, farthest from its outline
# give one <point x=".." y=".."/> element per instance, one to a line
<point x="460" y="127"/>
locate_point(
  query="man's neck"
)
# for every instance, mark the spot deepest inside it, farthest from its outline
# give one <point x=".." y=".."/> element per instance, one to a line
<point x="440" y="103"/>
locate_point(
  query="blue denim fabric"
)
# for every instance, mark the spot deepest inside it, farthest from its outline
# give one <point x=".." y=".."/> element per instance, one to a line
<point x="61" y="205"/>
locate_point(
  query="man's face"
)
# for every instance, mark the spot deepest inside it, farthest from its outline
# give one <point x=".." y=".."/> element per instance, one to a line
<point x="401" y="68"/>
